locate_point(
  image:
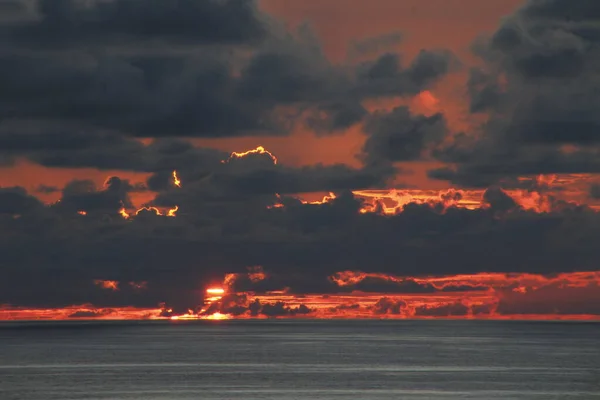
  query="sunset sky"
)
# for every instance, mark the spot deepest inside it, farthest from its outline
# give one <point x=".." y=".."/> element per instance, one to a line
<point x="320" y="158"/>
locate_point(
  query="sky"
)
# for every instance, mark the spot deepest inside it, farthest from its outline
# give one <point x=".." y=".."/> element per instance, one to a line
<point x="331" y="158"/>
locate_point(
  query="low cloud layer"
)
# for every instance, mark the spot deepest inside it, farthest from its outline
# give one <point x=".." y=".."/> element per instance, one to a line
<point x="57" y="253"/>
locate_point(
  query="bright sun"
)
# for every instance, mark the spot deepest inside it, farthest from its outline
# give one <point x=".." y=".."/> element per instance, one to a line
<point x="215" y="291"/>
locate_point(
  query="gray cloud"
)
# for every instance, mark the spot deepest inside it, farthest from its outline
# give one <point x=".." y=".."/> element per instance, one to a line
<point x="161" y="69"/>
<point x="71" y="148"/>
<point x="12" y="6"/>
<point x="302" y="243"/>
<point x="82" y="195"/>
<point x="387" y="77"/>
<point x="595" y="191"/>
<point x="399" y="135"/>
<point x="539" y="85"/>
<point x="75" y="22"/>
<point x="16" y="201"/>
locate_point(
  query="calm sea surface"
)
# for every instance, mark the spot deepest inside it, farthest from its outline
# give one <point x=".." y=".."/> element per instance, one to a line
<point x="300" y="360"/>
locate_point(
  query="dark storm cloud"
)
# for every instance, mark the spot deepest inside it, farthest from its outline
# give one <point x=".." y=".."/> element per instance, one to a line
<point x="144" y="88"/>
<point x="498" y="200"/>
<point x="75" y="22"/>
<point x="82" y="195"/>
<point x="310" y="284"/>
<point x="279" y="78"/>
<point x="16" y="201"/>
<point x="539" y="85"/>
<point x="401" y="136"/>
<point x="485" y="162"/>
<point x="387" y="77"/>
<point x="586" y="10"/>
<point x="114" y="65"/>
<point x="336" y="115"/>
<point x="595" y="191"/>
<point x="303" y="244"/>
<point x="484" y="91"/>
<point x="159" y="96"/>
<point x="78" y="148"/>
<point x="286" y="180"/>
<point x="12" y="6"/>
<point x="150" y="96"/>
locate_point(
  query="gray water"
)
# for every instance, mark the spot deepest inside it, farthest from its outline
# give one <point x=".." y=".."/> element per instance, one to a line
<point x="300" y="360"/>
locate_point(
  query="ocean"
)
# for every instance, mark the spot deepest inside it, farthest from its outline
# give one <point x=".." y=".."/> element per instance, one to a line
<point x="299" y="359"/>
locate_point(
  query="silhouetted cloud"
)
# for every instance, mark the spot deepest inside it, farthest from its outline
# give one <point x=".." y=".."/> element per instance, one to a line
<point x="299" y="245"/>
<point x="539" y="84"/>
<point x="595" y="191"/>
<point x="182" y="68"/>
<point x="401" y="136"/>
<point x="73" y="22"/>
<point x="17" y="201"/>
<point x="387" y="77"/>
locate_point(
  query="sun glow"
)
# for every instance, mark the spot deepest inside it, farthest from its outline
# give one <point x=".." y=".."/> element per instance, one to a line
<point x="215" y="291"/>
<point x="183" y="317"/>
<point x="216" y="316"/>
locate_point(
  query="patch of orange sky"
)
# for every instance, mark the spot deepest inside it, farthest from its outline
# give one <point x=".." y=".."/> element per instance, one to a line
<point x="424" y="24"/>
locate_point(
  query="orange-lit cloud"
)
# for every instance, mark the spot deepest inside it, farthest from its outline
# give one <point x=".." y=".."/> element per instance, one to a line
<point x="124" y="213"/>
<point x="176" y="180"/>
<point x="391" y="201"/>
<point x="109" y="285"/>
<point x="488" y="296"/>
<point x="500" y="296"/>
<point x="478" y="296"/>
<point x="154" y="210"/>
<point x="257" y="150"/>
<point x="83" y="312"/>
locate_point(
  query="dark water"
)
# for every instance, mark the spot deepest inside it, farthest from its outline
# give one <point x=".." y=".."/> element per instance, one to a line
<point x="300" y="360"/>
